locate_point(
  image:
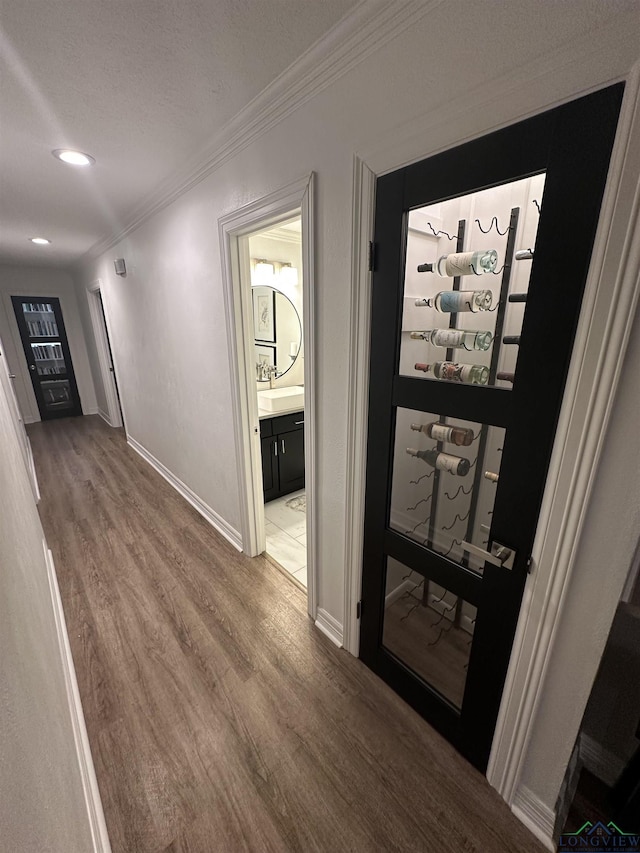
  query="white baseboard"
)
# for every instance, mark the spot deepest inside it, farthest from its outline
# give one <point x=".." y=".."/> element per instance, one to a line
<point x="215" y="520"/>
<point x="91" y="410"/>
<point x="329" y="626"/>
<point x="603" y="764"/>
<point x="568" y="788"/>
<point x="105" y="417"/>
<point x="93" y="802"/>
<point x="32" y="471"/>
<point x="535" y="815"/>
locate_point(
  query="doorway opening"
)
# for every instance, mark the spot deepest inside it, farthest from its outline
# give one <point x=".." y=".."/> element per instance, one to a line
<point x="275" y="263"/>
<point x="267" y="246"/>
<point x="110" y="408"/>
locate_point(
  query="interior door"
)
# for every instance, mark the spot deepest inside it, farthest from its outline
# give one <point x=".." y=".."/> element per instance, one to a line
<point x="112" y="371"/>
<point x="469" y="357"/>
<point x="47" y="353"/>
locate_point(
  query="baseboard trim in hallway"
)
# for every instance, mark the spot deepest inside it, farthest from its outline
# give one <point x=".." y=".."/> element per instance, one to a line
<point x="535" y="815"/>
<point x="329" y="626"/>
<point x="95" y="812"/>
<point x="215" y="520"/>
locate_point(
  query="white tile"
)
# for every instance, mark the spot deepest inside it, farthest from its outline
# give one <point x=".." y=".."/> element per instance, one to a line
<point x="284" y="549"/>
<point x="302" y="539"/>
<point x="269" y="527"/>
<point x="301" y="575"/>
<point x="292" y="521"/>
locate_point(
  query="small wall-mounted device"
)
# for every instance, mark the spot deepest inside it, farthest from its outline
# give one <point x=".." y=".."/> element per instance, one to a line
<point x="119" y="264"/>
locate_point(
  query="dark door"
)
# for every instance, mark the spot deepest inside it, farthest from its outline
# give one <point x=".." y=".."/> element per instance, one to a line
<point x="111" y="367"/>
<point x="469" y="357"/>
<point x="47" y="352"/>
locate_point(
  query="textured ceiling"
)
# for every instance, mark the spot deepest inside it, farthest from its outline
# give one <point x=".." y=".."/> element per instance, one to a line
<point x="142" y="85"/>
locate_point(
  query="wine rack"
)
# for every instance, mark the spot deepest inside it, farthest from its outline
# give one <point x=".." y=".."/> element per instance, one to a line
<point x="459" y="523"/>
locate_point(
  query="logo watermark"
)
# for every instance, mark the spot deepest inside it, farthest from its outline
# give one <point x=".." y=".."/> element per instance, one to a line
<point x="600" y="836"/>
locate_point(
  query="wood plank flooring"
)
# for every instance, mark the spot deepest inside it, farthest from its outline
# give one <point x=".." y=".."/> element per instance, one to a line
<point x="220" y="719"/>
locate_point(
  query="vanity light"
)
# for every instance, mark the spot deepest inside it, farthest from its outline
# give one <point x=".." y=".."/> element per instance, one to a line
<point x="262" y="272"/>
<point x="73" y="158"/>
<point x="41" y="241"/>
<point x="289" y="274"/>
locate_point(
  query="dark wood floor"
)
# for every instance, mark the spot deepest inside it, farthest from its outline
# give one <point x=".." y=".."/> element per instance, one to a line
<point x="219" y="718"/>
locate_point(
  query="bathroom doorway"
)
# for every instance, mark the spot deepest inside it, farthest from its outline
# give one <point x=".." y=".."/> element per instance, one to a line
<point x="268" y="273"/>
<point x="275" y="264"/>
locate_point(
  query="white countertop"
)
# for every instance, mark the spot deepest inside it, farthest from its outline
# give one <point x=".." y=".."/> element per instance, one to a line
<point x="263" y="413"/>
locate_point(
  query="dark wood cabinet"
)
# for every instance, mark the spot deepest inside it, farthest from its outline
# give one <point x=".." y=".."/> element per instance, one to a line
<point x="282" y="440"/>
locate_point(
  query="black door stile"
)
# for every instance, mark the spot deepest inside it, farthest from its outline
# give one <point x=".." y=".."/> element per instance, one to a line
<point x="567" y="151"/>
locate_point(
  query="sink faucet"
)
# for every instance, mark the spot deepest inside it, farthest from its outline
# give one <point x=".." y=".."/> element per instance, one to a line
<point x="273" y="374"/>
<point x="266" y="372"/>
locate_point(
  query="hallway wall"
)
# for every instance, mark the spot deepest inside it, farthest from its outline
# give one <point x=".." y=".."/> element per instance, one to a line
<point x="42" y="804"/>
<point x="421" y="88"/>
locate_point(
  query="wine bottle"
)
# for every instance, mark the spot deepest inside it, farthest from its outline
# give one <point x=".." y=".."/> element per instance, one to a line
<point x="511" y="339"/>
<point x="489" y="475"/>
<point x="443" y="432"/>
<point x="463" y="263"/>
<point x="455" y="339"/>
<point x="457" y="465"/>
<point x="506" y="377"/>
<point x="449" y="371"/>
<point x="452" y="301"/>
<point x="524" y="255"/>
<point x="517" y="297"/>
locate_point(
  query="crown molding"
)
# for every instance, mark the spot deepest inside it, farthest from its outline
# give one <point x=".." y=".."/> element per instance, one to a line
<point x="352" y="40"/>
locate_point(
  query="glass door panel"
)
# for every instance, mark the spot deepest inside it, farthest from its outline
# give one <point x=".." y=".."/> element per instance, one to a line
<point x="468" y="263"/>
<point x="49" y="358"/>
<point x="57" y="394"/>
<point x="445" y="473"/>
<point x="40" y="319"/>
<point x="429" y="629"/>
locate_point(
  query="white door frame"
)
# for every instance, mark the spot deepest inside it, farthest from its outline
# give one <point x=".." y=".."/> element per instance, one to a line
<point x="238" y="313"/>
<point x="100" y="332"/>
<point x="608" y="309"/>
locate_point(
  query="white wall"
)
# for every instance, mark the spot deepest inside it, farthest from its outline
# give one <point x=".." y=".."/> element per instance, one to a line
<point x="457" y="71"/>
<point x="42" y="805"/>
<point x="39" y="281"/>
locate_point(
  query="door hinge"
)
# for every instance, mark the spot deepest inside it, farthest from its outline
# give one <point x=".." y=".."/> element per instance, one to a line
<point x="530" y="565"/>
<point x="372" y="256"/>
<point x="359" y="610"/>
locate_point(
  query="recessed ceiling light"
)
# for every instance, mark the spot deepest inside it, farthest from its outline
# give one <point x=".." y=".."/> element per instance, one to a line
<point x="41" y="241"/>
<point x="74" y="158"/>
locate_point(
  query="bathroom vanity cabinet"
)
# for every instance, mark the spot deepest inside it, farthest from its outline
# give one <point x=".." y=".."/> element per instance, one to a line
<point x="282" y="440"/>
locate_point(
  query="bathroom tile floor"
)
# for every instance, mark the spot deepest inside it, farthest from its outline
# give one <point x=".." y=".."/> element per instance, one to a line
<point x="286" y="529"/>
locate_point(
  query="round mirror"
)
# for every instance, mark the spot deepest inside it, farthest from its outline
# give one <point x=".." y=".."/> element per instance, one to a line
<point x="277" y="332"/>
